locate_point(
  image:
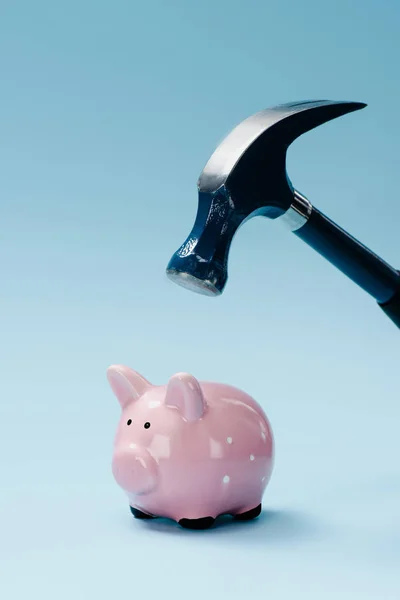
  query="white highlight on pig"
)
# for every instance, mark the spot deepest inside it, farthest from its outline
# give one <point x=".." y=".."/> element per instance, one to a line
<point x="229" y="440"/>
<point x="154" y="403"/>
<point x="251" y="456"/>
<point x="190" y="384"/>
<point x="226" y="479"/>
<point x="263" y="435"/>
<point x="161" y="446"/>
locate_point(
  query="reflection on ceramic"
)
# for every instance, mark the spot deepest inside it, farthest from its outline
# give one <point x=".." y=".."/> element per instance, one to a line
<point x="189" y="450"/>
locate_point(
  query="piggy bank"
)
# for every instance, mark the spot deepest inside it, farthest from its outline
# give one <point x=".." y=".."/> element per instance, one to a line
<point x="189" y="450"/>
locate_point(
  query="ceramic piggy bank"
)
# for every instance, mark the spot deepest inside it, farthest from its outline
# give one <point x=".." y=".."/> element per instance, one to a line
<point x="189" y="450"/>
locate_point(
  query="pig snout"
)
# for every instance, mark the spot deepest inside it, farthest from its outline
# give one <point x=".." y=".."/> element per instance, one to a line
<point x="135" y="470"/>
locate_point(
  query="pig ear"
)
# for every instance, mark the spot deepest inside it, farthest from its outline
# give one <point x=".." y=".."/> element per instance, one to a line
<point x="184" y="393"/>
<point x="126" y="384"/>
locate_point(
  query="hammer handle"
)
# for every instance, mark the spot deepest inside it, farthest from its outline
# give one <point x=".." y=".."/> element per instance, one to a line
<point x="355" y="260"/>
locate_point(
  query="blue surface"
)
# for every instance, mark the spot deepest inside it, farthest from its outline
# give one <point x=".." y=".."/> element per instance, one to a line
<point x="109" y="111"/>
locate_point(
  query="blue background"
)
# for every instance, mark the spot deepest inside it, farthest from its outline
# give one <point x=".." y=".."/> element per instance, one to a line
<point x="109" y="111"/>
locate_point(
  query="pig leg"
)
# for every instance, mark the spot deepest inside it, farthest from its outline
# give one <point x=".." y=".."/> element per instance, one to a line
<point x="249" y="514"/>
<point x="203" y="523"/>
<point x="138" y="514"/>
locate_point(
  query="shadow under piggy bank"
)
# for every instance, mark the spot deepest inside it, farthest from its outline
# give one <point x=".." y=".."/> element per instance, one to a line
<point x="272" y="526"/>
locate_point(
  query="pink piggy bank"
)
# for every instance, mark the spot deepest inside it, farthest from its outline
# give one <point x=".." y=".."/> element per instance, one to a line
<point x="189" y="450"/>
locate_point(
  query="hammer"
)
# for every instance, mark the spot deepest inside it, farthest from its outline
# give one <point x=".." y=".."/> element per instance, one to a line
<point x="246" y="177"/>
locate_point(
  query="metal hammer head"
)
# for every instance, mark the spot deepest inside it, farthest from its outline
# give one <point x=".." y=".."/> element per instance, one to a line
<point x="245" y="177"/>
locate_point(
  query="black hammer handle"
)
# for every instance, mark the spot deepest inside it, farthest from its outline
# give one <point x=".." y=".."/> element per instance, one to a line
<point x="353" y="259"/>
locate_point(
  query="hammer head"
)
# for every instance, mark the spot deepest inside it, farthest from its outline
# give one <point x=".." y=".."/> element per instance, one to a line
<point x="245" y="177"/>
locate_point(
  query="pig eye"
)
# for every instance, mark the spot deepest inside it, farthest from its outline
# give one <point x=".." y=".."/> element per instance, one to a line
<point x="146" y="425"/>
<point x="129" y="422"/>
